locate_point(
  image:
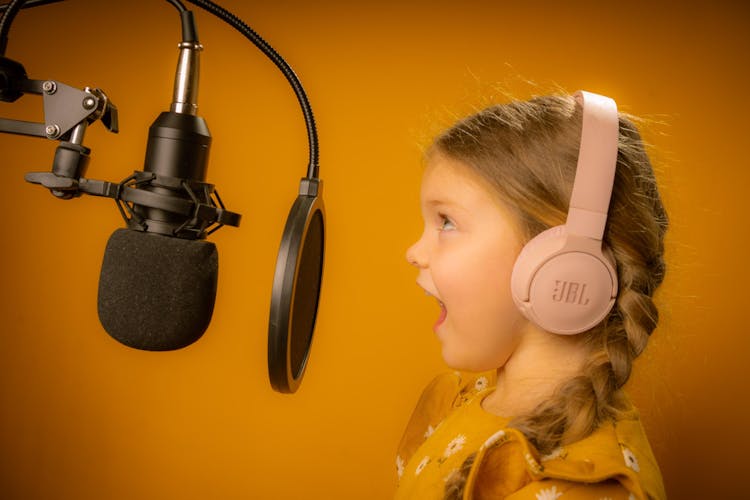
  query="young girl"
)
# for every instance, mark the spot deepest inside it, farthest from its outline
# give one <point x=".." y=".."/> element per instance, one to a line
<point x="543" y="416"/>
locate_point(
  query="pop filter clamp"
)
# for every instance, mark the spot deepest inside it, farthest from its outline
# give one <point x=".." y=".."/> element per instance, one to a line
<point x="299" y="266"/>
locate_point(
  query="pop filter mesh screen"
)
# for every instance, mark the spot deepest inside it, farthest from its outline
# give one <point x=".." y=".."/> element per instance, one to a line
<point x="306" y="294"/>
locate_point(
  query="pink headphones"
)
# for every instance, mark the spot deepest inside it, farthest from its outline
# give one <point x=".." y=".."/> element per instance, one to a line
<point x="564" y="279"/>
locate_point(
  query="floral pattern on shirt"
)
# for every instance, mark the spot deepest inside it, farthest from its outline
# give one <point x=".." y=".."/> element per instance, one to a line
<point x="422" y="465"/>
<point x="399" y="466"/>
<point x="455" y="445"/>
<point x="558" y="452"/>
<point x="494" y="439"/>
<point x="481" y="384"/>
<point x="533" y="464"/>
<point x="549" y="494"/>
<point x="630" y="459"/>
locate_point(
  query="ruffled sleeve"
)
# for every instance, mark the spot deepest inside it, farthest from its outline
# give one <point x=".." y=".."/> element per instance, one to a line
<point x="614" y="462"/>
<point x="565" y="490"/>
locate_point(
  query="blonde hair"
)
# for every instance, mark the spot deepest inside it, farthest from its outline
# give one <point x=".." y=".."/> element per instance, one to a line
<point x="527" y="151"/>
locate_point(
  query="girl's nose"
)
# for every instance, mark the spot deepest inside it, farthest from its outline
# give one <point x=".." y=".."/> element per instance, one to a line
<point x="415" y="255"/>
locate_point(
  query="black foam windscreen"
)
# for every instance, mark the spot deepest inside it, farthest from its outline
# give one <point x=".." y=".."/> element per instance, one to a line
<point x="157" y="292"/>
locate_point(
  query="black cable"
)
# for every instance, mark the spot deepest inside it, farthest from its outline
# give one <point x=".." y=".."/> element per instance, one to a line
<point x="189" y="32"/>
<point x="178" y="5"/>
<point x="6" y="21"/>
<point x="30" y="3"/>
<point x="10" y="10"/>
<point x="250" y="34"/>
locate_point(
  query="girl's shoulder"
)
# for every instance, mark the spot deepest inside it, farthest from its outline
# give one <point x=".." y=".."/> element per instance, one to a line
<point x="615" y="461"/>
<point x="448" y="424"/>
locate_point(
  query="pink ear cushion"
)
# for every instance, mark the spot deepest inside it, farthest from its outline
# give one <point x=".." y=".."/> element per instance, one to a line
<point x="562" y="283"/>
<point x="537" y="249"/>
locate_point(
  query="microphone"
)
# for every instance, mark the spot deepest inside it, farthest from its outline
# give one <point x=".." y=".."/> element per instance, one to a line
<point x="158" y="279"/>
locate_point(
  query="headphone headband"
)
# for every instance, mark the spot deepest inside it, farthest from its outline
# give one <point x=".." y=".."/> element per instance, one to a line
<point x="564" y="279"/>
<point x="595" y="173"/>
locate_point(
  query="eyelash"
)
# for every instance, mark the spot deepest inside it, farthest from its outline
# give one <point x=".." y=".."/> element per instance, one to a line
<point x="444" y="219"/>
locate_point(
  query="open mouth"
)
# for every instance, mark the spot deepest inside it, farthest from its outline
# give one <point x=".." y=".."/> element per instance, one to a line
<point x="443" y="311"/>
<point x="441" y="318"/>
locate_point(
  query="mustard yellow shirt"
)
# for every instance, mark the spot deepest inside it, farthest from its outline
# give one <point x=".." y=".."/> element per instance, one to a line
<point x="449" y="424"/>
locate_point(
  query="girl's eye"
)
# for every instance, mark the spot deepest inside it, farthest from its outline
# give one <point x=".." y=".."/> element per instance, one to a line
<point x="445" y="223"/>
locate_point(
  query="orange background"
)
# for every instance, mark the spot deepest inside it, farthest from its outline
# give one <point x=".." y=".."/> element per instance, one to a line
<point x="82" y="417"/>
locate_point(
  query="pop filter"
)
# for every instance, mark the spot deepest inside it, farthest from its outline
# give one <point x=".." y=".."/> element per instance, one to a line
<point x="296" y="289"/>
<point x="299" y="265"/>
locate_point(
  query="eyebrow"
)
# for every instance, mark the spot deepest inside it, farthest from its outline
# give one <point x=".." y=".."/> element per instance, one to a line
<point x="434" y="203"/>
<point x="445" y="203"/>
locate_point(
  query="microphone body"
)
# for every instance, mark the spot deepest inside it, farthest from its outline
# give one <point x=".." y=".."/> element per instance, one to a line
<point x="157" y="285"/>
<point x="177" y="151"/>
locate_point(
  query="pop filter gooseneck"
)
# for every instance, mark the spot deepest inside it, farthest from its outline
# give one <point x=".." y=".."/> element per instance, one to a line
<point x="299" y="264"/>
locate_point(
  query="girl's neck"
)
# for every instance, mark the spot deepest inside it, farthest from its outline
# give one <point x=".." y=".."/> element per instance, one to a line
<point x="538" y="365"/>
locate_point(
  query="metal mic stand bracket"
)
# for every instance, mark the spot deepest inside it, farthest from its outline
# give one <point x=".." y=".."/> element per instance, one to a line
<point x="67" y="113"/>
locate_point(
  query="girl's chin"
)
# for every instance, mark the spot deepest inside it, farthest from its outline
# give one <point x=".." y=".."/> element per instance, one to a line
<point x="471" y="362"/>
<point x="455" y="360"/>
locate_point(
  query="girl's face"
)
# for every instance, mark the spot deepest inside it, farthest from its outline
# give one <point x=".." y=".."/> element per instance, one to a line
<point x="465" y="258"/>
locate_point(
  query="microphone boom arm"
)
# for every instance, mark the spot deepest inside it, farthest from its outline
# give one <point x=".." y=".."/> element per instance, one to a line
<point x="65" y="107"/>
<point x="67" y="113"/>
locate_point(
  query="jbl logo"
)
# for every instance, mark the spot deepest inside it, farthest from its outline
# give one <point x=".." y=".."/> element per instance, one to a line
<point x="570" y="292"/>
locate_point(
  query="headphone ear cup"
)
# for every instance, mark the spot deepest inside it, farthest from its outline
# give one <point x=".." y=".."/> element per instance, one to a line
<point x="564" y="283"/>
<point x="532" y="256"/>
